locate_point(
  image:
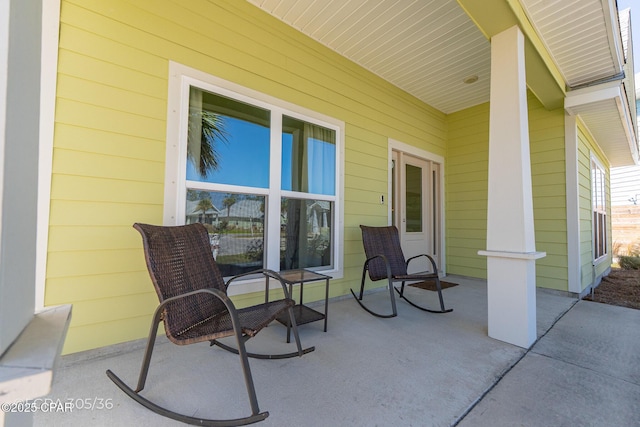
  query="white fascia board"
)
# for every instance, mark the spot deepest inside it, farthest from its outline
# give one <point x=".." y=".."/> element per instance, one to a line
<point x="603" y="92"/>
<point x="627" y="123"/>
<point x="588" y="95"/>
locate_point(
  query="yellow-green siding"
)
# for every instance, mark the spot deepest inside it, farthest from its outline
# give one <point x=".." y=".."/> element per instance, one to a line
<point x="466" y="192"/>
<point x="587" y="148"/>
<point x="110" y="148"/>
<point x="110" y="136"/>
<point x="548" y="182"/>
<point x="466" y="189"/>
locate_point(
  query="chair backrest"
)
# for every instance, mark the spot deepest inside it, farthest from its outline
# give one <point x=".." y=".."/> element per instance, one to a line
<point x="383" y="241"/>
<point x="179" y="260"/>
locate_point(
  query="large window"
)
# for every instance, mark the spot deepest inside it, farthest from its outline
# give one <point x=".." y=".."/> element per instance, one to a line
<point x="599" y="208"/>
<point x="263" y="179"/>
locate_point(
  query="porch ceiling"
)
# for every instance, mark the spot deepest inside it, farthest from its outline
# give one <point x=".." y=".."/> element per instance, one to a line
<point x="428" y="48"/>
<point x="583" y="37"/>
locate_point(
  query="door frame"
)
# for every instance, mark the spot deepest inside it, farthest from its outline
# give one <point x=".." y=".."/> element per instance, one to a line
<point x="410" y="150"/>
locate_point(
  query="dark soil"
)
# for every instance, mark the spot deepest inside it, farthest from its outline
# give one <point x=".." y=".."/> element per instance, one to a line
<point x="620" y="287"/>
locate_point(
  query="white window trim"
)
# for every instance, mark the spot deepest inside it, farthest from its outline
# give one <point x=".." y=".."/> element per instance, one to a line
<point x="180" y="77"/>
<point x="594" y="159"/>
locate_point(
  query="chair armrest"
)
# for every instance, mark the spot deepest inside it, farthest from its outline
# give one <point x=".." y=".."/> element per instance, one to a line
<point x="215" y="292"/>
<point x="386" y="264"/>
<point x="231" y="308"/>
<point x="433" y="263"/>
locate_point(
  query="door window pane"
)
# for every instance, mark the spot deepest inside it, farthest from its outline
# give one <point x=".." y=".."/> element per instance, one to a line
<point x="236" y="227"/>
<point x="227" y="142"/>
<point x="305" y="233"/>
<point x="414" y="199"/>
<point x="308" y="157"/>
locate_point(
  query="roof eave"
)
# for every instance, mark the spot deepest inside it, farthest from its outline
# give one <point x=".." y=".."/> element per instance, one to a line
<point x="616" y="138"/>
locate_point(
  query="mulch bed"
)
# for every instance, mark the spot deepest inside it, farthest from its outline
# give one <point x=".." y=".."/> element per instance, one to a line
<point x="430" y="285"/>
<point x="620" y="287"/>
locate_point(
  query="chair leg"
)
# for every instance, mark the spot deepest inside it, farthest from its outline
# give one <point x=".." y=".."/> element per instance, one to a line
<point x="246" y="371"/>
<point x="146" y="360"/>
<point x="439" y="288"/>
<point x="255" y="416"/>
<point x="294" y="328"/>
<point x="394" y="311"/>
<point x="364" y="277"/>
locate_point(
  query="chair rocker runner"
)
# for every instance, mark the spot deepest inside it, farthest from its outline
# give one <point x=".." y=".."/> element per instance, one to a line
<point x="194" y="307"/>
<point x="385" y="260"/>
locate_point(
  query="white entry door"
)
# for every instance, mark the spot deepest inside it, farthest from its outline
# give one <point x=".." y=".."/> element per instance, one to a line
<point x="416" y="208"/>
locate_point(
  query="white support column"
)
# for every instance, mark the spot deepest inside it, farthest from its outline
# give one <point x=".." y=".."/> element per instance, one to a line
<point x="511" y="253"/>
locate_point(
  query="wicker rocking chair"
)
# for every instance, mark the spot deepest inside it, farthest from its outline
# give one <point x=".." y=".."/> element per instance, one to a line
<point x="195" y="307"/>
<point x="385" y="260"/>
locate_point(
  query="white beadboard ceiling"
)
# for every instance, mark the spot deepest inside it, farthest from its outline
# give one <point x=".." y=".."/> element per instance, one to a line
<point x="579" y="36"/>
<point x="428" y="47"/>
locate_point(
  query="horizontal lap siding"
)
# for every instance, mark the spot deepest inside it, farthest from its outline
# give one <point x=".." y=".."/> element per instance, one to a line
<point x="110" y="136"/>
<point x="587" y="147"/>
<point x="466" y="192"/>
<point x="548" y="178"/>
<point x="466" y="184"/>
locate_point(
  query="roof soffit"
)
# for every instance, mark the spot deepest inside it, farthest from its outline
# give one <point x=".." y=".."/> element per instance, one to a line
<point x="427" y="48"/>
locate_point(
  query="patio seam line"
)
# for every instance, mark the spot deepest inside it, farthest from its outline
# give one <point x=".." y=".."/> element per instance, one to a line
<point x="587" y="368"/>
<point x="500" y="377"/>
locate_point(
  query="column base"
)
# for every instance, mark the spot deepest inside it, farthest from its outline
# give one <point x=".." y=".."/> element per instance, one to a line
<point x="511" y="296"/>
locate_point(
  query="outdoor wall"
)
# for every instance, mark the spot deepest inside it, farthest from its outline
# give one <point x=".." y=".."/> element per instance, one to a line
<point x="587" y="146"/>
<point x="548" y="179"/>
<point x="110" y="136"/>
<point x="466" y="192"/>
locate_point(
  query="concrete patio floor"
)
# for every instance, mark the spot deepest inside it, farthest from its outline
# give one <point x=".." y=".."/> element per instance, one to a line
<point x="418" y="369"/>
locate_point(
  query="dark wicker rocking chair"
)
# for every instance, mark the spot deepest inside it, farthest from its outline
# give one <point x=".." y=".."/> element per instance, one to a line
<point x="385" y="260"/>
<point x="195" y="307"/>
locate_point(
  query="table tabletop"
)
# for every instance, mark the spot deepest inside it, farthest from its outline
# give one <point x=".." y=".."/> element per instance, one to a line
<point x="301" y="276"/>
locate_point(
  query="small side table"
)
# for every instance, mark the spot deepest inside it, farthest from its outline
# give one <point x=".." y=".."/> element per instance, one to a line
<point x="302" y="313"/>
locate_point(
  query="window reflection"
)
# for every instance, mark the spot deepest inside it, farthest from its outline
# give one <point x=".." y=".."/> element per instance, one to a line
<point x="305" y="233"/>
<point x="236" y="227"/>
<point x="228" y="141"/>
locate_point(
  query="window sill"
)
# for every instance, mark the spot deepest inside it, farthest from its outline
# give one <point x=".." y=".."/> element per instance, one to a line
<point x="600" y="260"/>
<point x="27" y="367"/>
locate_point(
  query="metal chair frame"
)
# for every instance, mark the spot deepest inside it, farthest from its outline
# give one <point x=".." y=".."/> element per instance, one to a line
<point x="239" y="330"/>
<point x="393" y="272"/>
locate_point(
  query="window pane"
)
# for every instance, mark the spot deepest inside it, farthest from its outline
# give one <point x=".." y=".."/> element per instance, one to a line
<point x="308" y="157"/>
<point x="414" y="199"/>
<point x="305" y="233"/>
<point x="228" y="141"/>
<point x="598" y="185"/>
<point x="236" y="227"/>
<point x="602" y="234"/>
